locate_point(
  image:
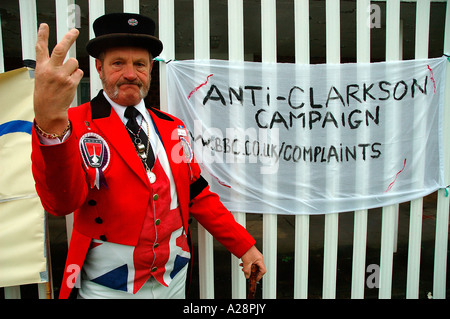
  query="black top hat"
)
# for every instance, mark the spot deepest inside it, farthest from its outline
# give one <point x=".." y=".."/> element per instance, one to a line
<point x="121" y="30"/>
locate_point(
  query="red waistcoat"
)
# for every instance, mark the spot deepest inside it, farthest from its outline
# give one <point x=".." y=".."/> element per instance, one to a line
<point x="65" y="184"/>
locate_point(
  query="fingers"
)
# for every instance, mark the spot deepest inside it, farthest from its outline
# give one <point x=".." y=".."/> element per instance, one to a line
<point x="42" y="43"/>
<point x="70" y="66"/>
<point x="248" y="268"/>
<point x="55" y="80"/>
<point x="60" y="51"/>
<point x="77" y="76"/>
<point x="245" y="270"/>
<point x="261" y="269"/>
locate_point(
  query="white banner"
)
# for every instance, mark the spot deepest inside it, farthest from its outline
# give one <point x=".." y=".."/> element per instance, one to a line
<point x="313" y="139"/>
<point x="22" y="218"/>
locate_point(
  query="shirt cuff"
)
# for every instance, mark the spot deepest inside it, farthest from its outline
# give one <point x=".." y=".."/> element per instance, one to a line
<point x="53" y="141"/>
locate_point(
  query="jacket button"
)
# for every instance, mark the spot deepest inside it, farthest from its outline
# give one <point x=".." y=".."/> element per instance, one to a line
<point x="155" y="197"/>
<point x="157" y="222"/>
<point x="92" y="202"/>
<point x="155" y="245"/>
<point x="98" y="220"/>
<point x="154" y="269"/>
<point x="103" y="237"/>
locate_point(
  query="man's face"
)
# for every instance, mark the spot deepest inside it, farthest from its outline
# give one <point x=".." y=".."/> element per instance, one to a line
<point x="125" y="74"/>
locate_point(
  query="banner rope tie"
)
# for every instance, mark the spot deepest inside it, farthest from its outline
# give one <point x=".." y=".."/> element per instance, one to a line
<point x="162" y="60"/>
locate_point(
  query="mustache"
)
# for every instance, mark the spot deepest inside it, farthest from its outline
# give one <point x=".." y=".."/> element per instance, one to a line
<point x="136" y="82"/>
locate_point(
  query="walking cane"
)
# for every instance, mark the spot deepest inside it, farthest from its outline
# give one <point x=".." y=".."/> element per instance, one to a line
<point x="252" y="282"/>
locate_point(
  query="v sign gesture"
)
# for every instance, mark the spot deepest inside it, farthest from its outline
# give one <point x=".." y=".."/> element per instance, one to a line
<point x="56" y="81"/>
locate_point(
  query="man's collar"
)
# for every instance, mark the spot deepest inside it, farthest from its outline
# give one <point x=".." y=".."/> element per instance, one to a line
<point x="101" y="108"/>
<point x="120" y="109"/>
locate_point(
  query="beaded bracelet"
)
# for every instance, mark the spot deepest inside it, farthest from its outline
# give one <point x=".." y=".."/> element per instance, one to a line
<point x="53" y="135"/>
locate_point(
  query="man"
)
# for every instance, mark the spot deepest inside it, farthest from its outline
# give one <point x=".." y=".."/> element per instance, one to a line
<point x="126" y="170"/>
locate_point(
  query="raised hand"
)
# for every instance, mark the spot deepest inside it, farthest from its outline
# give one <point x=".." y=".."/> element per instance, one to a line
<point x="56" y="81"/>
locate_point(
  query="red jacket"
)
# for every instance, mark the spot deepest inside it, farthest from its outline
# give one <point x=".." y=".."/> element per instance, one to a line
<point x="116" y="212"/>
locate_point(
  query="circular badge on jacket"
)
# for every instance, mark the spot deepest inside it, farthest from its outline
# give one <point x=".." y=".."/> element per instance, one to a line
<point x="187" y="150"/>
<point x="94" y="151"/>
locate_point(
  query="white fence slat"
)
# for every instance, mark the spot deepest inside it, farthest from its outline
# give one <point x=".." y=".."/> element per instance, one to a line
<point x="441" y="241"/>
<point x="387" y="251"/>
<point x="201" y="29"/>
<point x="446" y="130"/>
<point x="301" y="256"/>
<point x="416" y="212"/>
<point x="330" y="256"/>
<point x="63" y="26"/>
<point x="44" y="291"/>
<point x="12" y="292"/>
<point x="270" y="255"/>
<point x="359" y="254"/>
<point x="422" y="29"/>
<point x="28" y="25"/>
<point x="62" y="23"/>
<point x="236" y="53"/>
<point x="301" y="253"/>
<point x="333" y="55"/>
<point x="269" y="55"/>
<point x="206" y="263"/>
<point x="442" y="215"/>
<point x="301" y="20"/>
<point x="414" y="245"/>
<point x="360" y="216"/>
<point x="333" y="49"/>
<point x="205" y="244"/>
<point x="268" y="31"/>
<point x="96" y="9"/>
<point x="362" y="31"/>
<point x="166" y="20"/>
<point x="393" y="30"/>
<point x="236" y="30"/>
<point x="389" y="213"/>
<point x="131" y="6"/>
<point x="238" y="282"/>
<point x="167" y="29"/>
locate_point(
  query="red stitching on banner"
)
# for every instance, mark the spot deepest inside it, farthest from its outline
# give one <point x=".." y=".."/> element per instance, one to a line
<point x="432" y="78"/>
<point x="396" y="175"/>
<point x="196" y="89"/>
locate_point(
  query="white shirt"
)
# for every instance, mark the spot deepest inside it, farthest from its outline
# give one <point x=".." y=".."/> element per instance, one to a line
<point x="148" y="123"/>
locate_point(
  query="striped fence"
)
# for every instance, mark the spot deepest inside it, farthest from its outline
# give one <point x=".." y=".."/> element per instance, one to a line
<point x="389" y="223"/>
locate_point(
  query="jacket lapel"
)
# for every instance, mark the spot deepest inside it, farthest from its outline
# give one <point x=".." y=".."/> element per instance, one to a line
<point x="164" y="126"/>
<point x="114" y="131"/>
